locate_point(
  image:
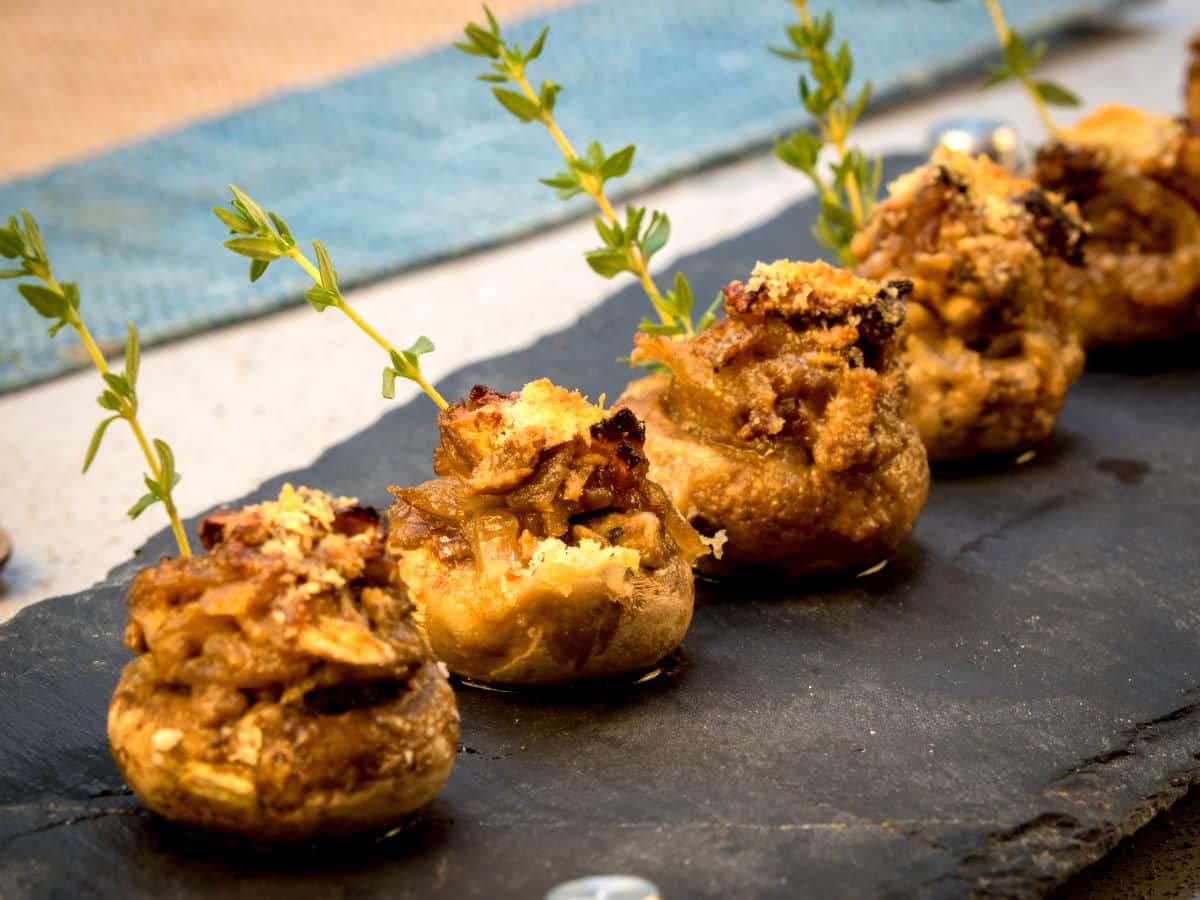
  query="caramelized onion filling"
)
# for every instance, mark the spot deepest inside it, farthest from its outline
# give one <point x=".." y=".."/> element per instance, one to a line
<point x="518" y="469"/>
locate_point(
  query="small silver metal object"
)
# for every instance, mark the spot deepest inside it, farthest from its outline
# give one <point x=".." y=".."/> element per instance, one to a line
<point x="605" y="887"/>
<point x="995" y="137"/>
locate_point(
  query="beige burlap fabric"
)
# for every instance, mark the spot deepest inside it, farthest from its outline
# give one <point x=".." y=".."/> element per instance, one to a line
<point x="82" y="75"/>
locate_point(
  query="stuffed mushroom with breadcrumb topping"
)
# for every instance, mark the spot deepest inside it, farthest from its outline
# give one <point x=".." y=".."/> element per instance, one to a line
<point x="1136" y="178"/>
<point x="988" y="341"/>
<point x="543" y="554"/>
<point x="783" y="425"/>
<point x="281" y="689"/>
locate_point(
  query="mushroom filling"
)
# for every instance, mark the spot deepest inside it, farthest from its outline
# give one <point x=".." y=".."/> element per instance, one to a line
<point x="335" y="699"/>
<point x="799" y="366"/>
<point x="525" y="471"/>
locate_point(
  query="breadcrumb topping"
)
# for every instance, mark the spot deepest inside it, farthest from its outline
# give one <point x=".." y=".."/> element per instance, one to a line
<point x="1123" y="135"/>
<point x="286" y="580"/>
<point x="990" y="188"/>
<point x="298" y="520"/>
<point x="553" y="414"/>
<point x="794" y="288"/>
<point x="556" y="564"/>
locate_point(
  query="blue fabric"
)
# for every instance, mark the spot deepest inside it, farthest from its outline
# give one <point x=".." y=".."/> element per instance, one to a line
<point x="413" y="161"/>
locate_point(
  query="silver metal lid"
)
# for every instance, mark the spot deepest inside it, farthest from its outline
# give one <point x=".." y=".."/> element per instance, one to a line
<point x="973" y="136"/>
<point x="605" y="887"/>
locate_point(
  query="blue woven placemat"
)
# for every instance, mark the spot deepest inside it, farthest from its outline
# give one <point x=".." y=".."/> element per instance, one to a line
<point x="413" y="161"/>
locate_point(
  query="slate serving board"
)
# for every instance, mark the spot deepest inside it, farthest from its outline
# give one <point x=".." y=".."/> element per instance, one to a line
<point x="1015" y="692"/>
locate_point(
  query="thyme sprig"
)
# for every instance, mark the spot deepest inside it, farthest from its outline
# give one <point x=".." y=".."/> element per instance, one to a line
<point x="265" y="237"/>
<point x="628" y="244"/>
<point x="1019" y="62"/>
<point x="59" y="302"/>
<point x="847" y="192"/>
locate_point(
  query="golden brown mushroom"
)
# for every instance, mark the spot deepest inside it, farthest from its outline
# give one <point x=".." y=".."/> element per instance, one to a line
<point x="1136" y="179"/>
<point x="783" y="425"/>
<point x="281" y="689"/>
<point x="988" y="341"/>
<point x="543" y="554"/>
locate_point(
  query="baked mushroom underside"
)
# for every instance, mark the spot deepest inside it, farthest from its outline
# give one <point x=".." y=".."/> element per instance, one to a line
<point x="273" y="766"/>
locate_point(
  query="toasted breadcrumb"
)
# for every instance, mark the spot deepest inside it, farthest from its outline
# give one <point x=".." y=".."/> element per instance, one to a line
<point x="791" y="288"/>
<point x="561" y="567"/>
<point x="1123" y="135"/>
<point x="551" y="414"/>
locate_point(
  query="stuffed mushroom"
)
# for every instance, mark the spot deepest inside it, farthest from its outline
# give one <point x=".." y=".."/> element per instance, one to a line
<point x="988" y="341"/>
<point x="782" y="427"/>
<point x="281" y="689"/>
<point x="543" y="554"/>
<point x="1136" y="178"/>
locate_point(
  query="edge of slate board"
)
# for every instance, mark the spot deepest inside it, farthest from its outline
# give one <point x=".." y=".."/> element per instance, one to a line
<point x="1151" y="763"/>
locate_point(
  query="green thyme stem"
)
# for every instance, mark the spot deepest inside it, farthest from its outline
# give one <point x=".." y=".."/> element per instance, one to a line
<point x="595" y="189"/>
<point x="847" y="182"/>
<point x="61" y="302"/>
<point x="135" y="426"/>
<point x="264" y="237"/>
<point x="628" y="245"/>
<point x="836" y="131"/>
<point x="295" y="254"/>
<point x="1004" y="35"/>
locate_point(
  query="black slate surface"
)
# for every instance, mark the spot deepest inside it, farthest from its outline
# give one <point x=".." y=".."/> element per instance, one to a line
<point x="1017" y="690"/>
